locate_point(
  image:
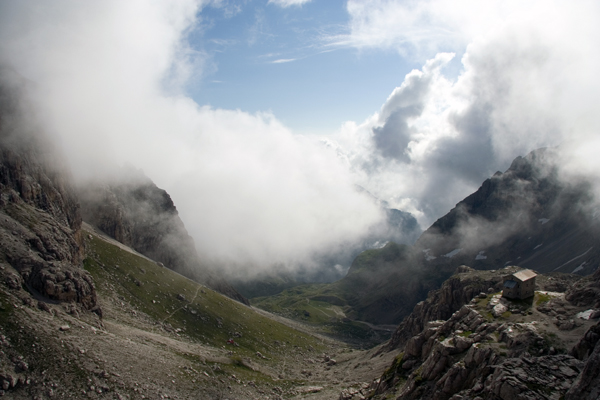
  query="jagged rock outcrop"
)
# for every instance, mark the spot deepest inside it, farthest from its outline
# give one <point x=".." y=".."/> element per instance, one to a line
<point x="586" y="345"/>
<point x="586" y="292"/>
<point x="520" y="353"/>
<point x="489" y="360"/>
<point x="40" y="220"/>
<point x="587" y="384"/>
<point x="133" y="210"/>
<point x="440" y="304"/>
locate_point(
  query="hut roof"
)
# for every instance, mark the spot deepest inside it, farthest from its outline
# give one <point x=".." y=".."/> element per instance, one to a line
<point x="524" y="275"/>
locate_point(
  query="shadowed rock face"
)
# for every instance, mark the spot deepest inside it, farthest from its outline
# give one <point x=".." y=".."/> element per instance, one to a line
<point x="133" y="210"/>
<point x="40" y="219"/>
<point x="587" y="384"/>
<point x="528" y="216"/>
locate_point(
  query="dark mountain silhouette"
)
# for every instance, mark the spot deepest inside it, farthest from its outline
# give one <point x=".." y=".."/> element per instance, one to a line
<point x="528" y="216"/>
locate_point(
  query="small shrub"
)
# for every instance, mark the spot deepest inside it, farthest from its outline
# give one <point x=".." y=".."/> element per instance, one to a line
<point x="541" y="298"/>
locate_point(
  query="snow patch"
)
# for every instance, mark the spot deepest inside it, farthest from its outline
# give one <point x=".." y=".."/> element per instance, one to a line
<point x="579" y="268"/>
<point x="538" y="246"/>
<point x="341" y="269"/>
<point x="585" y="314"/>
<point x="573" y="259"/>
<point x="428" y="257"/>
<point x="480" y="256"/>
<point x="557" y="295"/>
<point x="543" y="220"/>
<point x="379" y="244"/>
<point x="452" y="253"/>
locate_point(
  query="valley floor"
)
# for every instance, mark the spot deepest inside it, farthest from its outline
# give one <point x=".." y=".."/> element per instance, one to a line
<point x="151" y="349"/>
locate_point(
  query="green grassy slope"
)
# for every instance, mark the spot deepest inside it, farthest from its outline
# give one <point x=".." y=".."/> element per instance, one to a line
<point x="182" y="306"/>
<point x="380" y="288"/>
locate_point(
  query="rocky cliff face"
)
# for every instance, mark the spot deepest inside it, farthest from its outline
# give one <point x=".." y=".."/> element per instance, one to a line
<point x="528" y="216"/>
<point x="40" y="220"/>
<point x="133" y="210"/>
<point x="494" y="348"/>
<point x="440" y="304"/>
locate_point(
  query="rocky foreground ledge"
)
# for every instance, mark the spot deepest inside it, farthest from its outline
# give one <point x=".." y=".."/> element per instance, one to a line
<point x="545" y="347"/>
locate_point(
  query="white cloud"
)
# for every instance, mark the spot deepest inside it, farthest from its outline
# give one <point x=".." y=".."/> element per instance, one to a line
<point x="529" y="79"/>
<point x="424" y="27"/>
<point x="106" y="78"/>
<point x="283" y="60"/>
<point x="288" y="3"/>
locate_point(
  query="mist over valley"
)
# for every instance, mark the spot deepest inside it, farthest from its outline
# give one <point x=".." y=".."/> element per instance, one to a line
<point x="295" y="199"/>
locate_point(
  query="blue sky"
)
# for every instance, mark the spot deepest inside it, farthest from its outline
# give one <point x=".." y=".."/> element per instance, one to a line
<point x="264" y="57"/>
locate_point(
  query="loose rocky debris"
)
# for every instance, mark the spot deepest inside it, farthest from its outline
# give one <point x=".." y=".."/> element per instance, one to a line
<point x="355" y="393"/>
<point x="470" y="357"/>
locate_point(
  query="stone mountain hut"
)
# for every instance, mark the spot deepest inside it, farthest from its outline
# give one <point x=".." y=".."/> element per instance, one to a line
<point x="519" y="285"/>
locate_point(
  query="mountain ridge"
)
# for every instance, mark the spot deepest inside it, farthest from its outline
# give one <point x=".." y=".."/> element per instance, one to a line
<point x="527" y="216"/>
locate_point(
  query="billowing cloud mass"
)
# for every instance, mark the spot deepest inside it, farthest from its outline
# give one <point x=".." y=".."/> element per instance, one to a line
<point x="106" y="77"/>
<point x="528" y="80"/>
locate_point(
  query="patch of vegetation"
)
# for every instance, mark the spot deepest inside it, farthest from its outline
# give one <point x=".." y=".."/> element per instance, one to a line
<point x="417" y="376"/>
<point x="487" y="315"/>
<point x="323" y="307"/>
<point x="541" y="298"/>
<point x="355" y="333"/>
<point x="393" y="370"/>
<point x="465" y="334"/>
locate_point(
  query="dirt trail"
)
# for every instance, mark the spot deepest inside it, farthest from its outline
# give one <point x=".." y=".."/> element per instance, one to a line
<point x="182" y="307"/>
